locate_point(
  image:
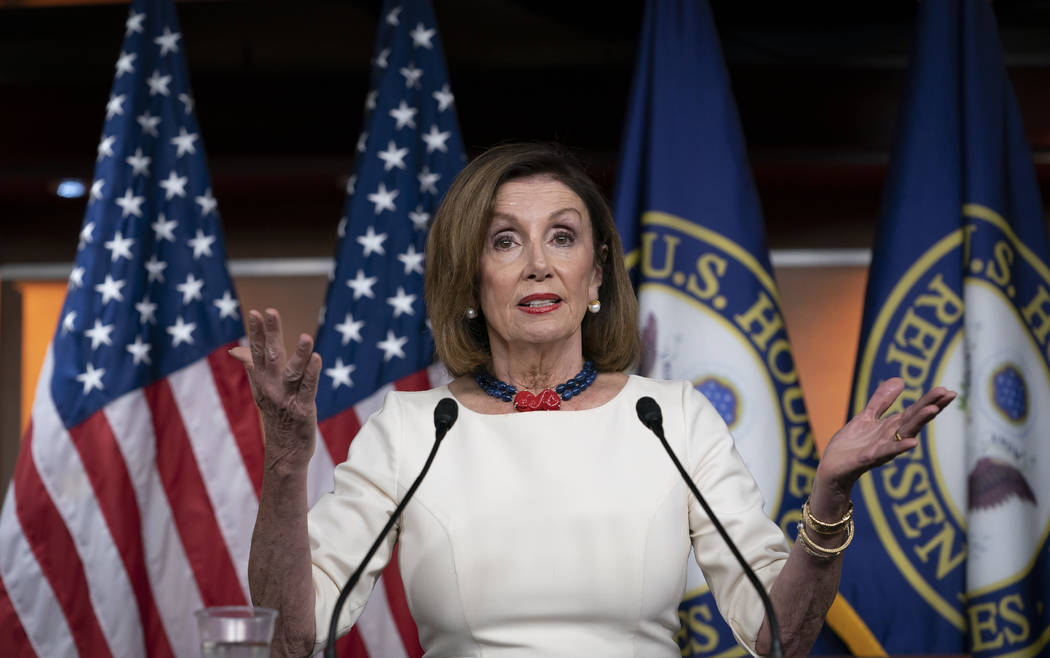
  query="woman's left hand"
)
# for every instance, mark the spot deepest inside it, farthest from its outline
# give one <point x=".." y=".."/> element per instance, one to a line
<point x="869" y="440"/>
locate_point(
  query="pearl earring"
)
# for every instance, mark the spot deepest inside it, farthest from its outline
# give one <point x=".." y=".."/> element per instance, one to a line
<point x="594" y="306"/>
<point x="471" y="313"/>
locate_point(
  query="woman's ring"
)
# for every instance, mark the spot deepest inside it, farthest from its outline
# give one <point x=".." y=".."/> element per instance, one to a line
<point x="897" y="436"/>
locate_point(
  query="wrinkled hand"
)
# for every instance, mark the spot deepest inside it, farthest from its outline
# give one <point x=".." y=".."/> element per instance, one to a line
<point x="868" y="440"/>
<point x="284" y="388"/>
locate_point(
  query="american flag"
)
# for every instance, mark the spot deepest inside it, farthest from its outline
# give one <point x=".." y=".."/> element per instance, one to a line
<point x="373" y="335"/>
<point x="136" y="487"/>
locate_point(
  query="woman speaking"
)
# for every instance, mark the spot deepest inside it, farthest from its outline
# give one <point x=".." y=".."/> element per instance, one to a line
<point x="552" y="523"/>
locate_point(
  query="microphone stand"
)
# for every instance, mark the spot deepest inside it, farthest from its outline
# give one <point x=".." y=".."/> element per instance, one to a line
<point x="650" y="415"/>
<point x="444" y="416"/>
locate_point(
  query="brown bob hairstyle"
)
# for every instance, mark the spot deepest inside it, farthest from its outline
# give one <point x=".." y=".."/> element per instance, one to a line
<point x="456" y="240"/>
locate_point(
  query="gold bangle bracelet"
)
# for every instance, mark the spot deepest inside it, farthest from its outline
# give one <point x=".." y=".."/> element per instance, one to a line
<point x="819" y="551"/>
<point x="823" y="527"/>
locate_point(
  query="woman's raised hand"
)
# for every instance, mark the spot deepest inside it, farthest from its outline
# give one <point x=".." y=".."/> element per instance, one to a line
<point x="284" y="388"/>
<point x="869" y="440"/>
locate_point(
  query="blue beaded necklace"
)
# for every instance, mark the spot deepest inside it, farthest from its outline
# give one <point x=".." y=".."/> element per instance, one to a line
<point x="547" y="400"/>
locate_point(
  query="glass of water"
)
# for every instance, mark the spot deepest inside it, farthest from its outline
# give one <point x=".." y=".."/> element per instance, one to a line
<point x="235" y="631"/>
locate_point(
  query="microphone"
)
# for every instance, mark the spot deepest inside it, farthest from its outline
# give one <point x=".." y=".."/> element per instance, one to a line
<point x="650" y="415"/>
<point x="445" y="414"/>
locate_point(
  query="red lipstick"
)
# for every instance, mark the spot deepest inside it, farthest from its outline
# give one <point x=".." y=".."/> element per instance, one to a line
<point x="539" y="303"/>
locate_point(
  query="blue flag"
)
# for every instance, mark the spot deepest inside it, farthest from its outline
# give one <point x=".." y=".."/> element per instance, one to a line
<point x="951" y="553"/>
<point x="688" y="213"/>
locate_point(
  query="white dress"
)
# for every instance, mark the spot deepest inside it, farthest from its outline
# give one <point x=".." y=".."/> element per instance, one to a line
<point x="561" y="533"/>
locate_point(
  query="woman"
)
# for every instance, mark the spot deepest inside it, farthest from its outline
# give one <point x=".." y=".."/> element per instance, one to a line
<point x="556" y="532"/>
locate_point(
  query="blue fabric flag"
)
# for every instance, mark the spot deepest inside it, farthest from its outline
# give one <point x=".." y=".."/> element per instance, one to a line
<point x="688" y="213"/>
<point x="951" y="554"/>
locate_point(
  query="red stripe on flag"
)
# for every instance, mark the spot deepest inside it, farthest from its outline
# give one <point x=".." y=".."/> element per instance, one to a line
<point x="105" y="467"/>
<point x="194" y="516"/>
<point x="338" y="431"/>
<point x="417" y="381"/>
<point x="12" y="635"/>
<point x="398" y="604"/>
<point x="236" y="395"/>
<point x="351" y="645"/>
<point x="55" y="552"/>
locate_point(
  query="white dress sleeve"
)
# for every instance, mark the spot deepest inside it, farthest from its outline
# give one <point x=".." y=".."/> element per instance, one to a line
<point x="729" y="488"/>
<point x="344" y="523"/>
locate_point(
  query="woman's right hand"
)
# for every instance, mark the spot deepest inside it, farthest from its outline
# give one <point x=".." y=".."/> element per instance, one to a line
<point x="284" y="388"/>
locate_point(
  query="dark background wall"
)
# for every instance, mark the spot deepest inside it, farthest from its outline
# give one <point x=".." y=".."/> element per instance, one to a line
<point x="279" y="88"/>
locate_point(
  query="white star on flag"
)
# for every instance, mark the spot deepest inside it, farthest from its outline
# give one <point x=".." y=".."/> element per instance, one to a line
<point x="362" y="285"/>
<point x="190" y="289"/>
<point x="149" y="123"/>
<point x="155" y="268"/>
<point x="444" y="98"/>
<point x="110" y="289"/>
<point x="134" y="23"/>
<point x="184" y="142"/>
<point x="371" y="242"/>
<point x="91" y="378"/>
<point x="105" y="147"/>
<point x="393" y="156"/>
<point x="146" y="310"/>
<point x="87" y="235"/>
<point x="181" y="332"/>
<point x="412" y="76"/>
<point x="380" y="59"/>
<point x="139" y="351"/>
<point x="96" y="190"/>
<point x="401" y="302"/>
<point x="115" y="106"/>
<point x="421" y="37"/>
<point x="419" y="218"/>
<point x="99" y="334"/>
<point x="168" y="41"/>
<point x="362" y="141"/>
<point x="164" y="228"/>
<point x="370" y="100"/>
<point x="130" y="204"/>
<point x="207" y="203"/>
<point x="201" y="244"/>
<point x="187" y="102"/>
<point x="428" y="180"/>
<point x="350" y="329"/>
<point x="76" y="277"/>
<point x="158" y="84"/>
<point x="350" y="184"/>
<point x="139" y="163"/>
<point x="340" y="374"/>
<point x="384" y="198"/>
<point x="435" y="139"/>
<point x="404" y="114"/>
<point x="392" y="17"/>
<point x="119" y="247"/>
<point x="340" y="230"/>
<point x="174" y="185"/>
<point x="412" y="260"/>
<point x="68" y="322"/>
<point x="392" y="346"/>
<point x="124" y="63"/>
<point x="227" y="305"/>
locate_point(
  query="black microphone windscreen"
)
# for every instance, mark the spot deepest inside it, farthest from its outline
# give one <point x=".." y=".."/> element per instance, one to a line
<point x="649" y="412"/>
<point x="445" y="413"/>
